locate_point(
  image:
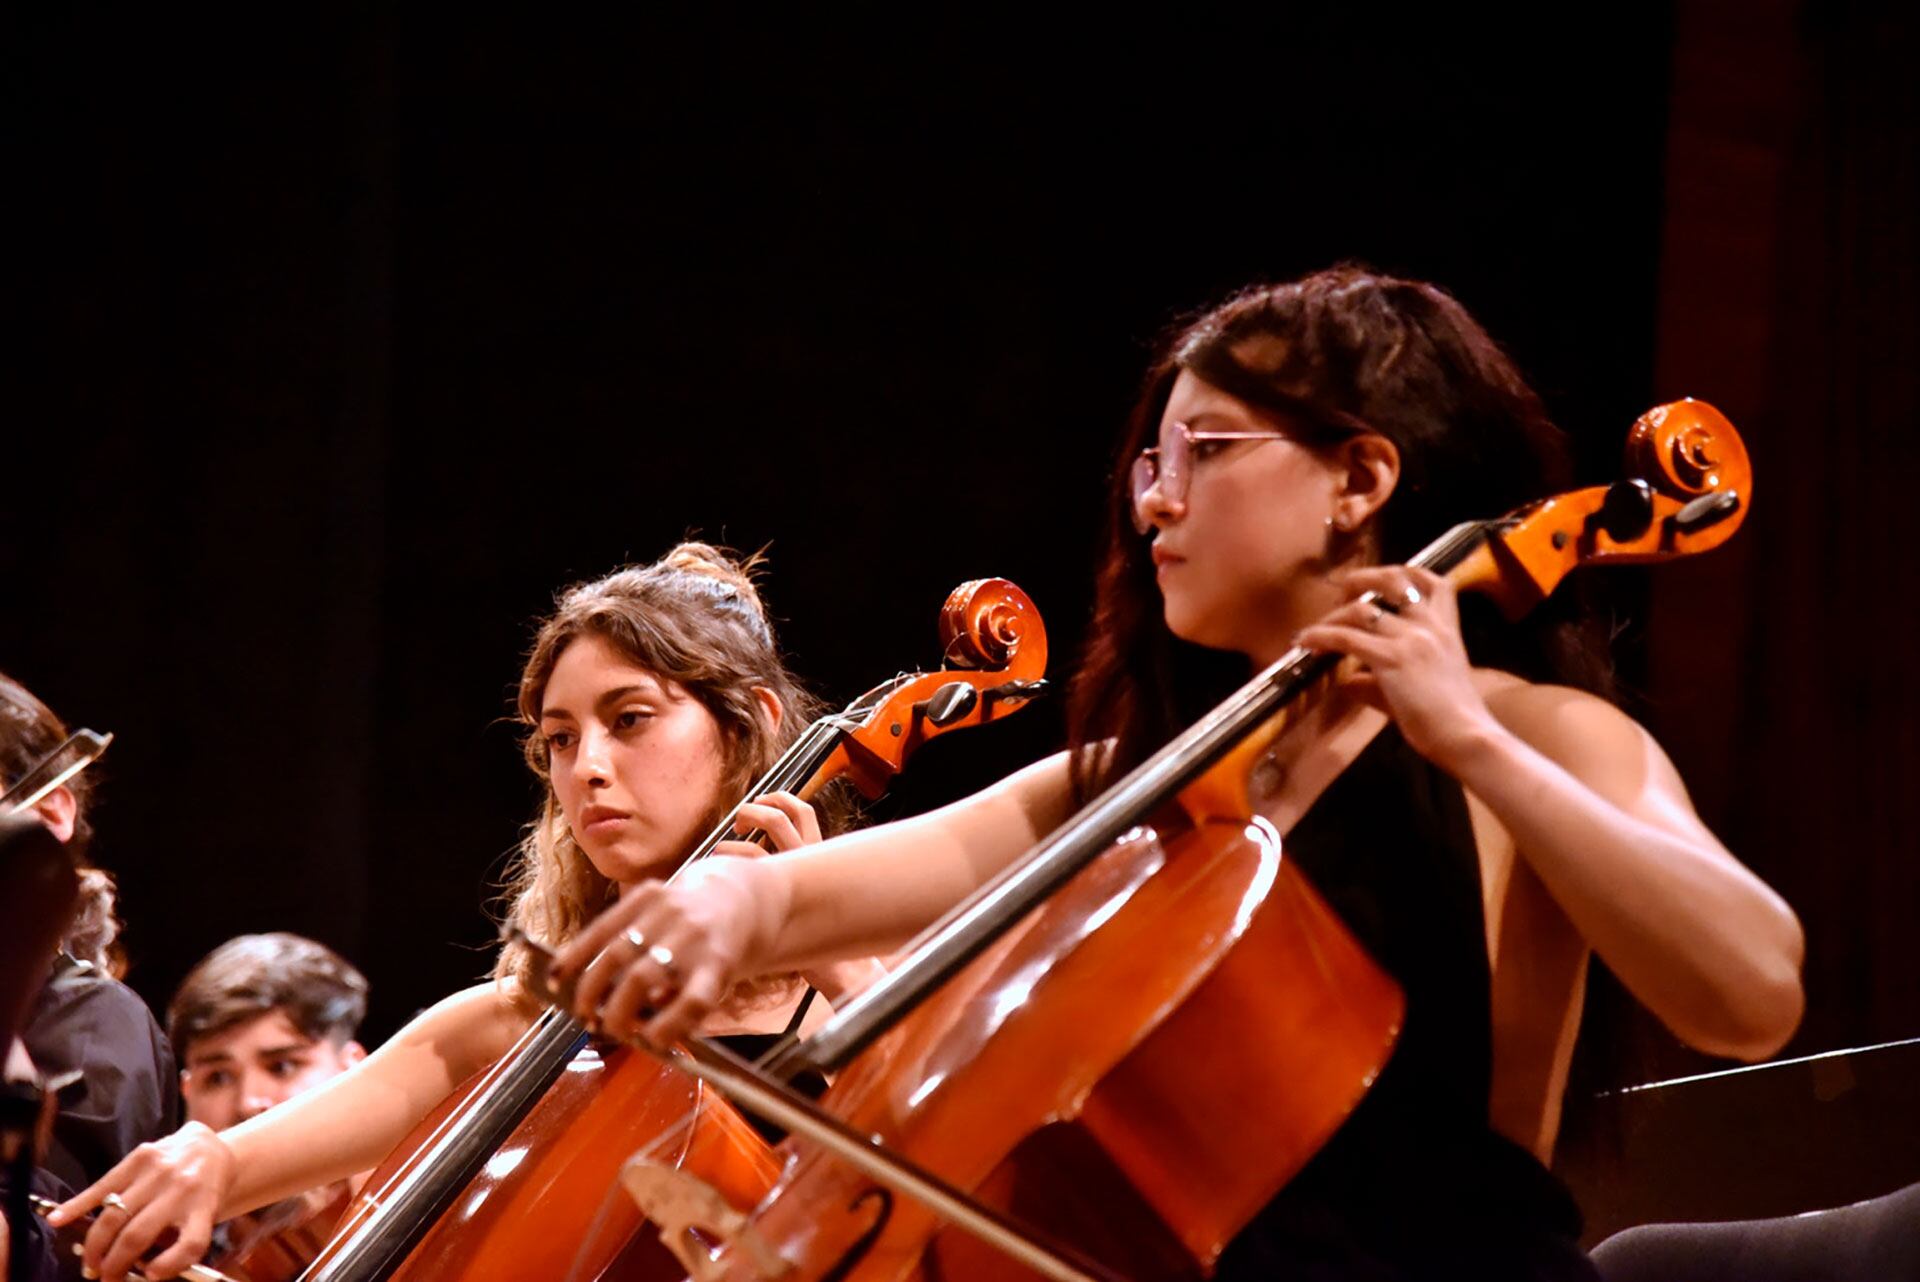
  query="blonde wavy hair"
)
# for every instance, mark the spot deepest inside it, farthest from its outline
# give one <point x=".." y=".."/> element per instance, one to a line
<point x="694" y="617"/>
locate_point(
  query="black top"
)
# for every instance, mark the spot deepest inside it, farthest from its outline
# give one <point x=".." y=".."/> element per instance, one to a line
<point x="126" y="1092"/>
<point x="86" y="1021"/>
<point x="1416" y="1184"/>
<point x="755" y="1046"/>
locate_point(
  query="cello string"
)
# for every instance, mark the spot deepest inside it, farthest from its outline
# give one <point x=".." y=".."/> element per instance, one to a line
<point x="793" y="769"/>
<point x="779" y="1104"/>
<point x="805" y="759"/>
<point x="973" y="924"/>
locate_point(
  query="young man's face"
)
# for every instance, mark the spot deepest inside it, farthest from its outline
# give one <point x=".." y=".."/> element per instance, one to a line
<point x="247" y="1069"/>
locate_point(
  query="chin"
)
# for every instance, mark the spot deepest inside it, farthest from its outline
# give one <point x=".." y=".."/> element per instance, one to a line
<point x="1197" y="626"/>
<point x="626" y="867"/>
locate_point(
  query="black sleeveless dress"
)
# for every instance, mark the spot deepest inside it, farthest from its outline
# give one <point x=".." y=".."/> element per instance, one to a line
<point x="1416" y="1184"/>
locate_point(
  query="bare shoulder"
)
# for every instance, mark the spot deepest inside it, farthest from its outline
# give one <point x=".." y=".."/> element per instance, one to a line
<point x="1585" y="735"/>
<point x="1556" y="716"/>
<point x="507" y="1009"/>
<point x="492" y="1000"/>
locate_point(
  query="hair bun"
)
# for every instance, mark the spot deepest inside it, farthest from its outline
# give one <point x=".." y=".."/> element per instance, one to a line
<point x="722" y="566"/>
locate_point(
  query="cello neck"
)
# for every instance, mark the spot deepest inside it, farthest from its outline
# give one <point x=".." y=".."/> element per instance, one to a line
<point x="409" y="1206"/>
<point x="977" y="922"/>
<point x="994" y="648"/>
<point x="801" y="770"/>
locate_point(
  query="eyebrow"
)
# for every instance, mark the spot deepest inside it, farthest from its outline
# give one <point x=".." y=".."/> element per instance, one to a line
<point x="228" y="1057"/>
<point x="612" y="696"/>
<point x="1197" y="420"/>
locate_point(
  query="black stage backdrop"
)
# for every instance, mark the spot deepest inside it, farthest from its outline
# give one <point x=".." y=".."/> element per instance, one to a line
<point x="345" y="345"/>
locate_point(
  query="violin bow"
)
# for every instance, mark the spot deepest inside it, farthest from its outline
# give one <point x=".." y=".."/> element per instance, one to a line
<point x="76" y="752"/>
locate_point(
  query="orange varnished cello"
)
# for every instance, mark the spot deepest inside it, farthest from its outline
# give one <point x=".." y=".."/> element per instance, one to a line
<point x="514" y="1177"/>
<point x="278" y="1242"/>
<point x="1105" y="1062"/>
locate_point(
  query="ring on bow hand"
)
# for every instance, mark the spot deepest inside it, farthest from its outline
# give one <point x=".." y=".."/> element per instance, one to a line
<point x="662" y="956"/>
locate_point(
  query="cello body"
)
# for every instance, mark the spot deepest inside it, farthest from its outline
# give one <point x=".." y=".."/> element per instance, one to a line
<point x="539" y="1167"/>
<point x="1122" y="1047"/>
<point x="278" y="1242"/>
<point x="1194" y="1092"/>
<point x="548" y="1203"/>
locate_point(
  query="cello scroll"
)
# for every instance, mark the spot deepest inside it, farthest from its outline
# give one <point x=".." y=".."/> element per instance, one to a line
<point x="995" y="648"/>
<point x="1688" y="489"/>
<point x="1022" y="1051"/>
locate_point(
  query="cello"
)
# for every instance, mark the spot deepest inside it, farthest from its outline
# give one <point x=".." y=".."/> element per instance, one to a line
<point x="509" y="1177"/>
<point x="1032" y="1062"/>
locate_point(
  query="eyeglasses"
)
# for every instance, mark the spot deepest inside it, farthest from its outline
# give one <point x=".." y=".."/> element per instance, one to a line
<point x="1171" y="464"/>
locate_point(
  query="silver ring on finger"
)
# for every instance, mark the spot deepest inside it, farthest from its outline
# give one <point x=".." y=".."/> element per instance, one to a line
<point x="1414" y="595"/>
<point x="114" y="1202"/>
<point x="634" y="937"/>
<point x="662" y="956"/>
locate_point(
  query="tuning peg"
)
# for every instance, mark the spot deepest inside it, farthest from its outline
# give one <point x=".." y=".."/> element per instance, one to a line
<point x="1627" y="510"/>
<point x="1708" y="509"/>
<point x="950" y="702"/>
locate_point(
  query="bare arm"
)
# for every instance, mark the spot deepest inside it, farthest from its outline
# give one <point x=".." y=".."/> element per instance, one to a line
<point x="871" y="891"/>
<point x="864" y="893"/>
<point x="348" y="1124"/>
<point x="193" y="1178"/>
<point x="1598" y="811"/>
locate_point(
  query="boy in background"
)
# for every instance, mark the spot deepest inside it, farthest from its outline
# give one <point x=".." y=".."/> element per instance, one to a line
<point x="261" y="1019"/>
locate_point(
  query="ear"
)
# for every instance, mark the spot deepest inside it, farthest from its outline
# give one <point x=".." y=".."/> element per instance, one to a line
<point x="352" y="1053"/>
<point x="1366" y="470"/>
<point x="770" y="705"/>
<point x="59" y="812"/>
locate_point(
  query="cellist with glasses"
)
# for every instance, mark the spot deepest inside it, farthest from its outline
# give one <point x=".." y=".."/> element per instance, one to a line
<point x="1483" y="820"/>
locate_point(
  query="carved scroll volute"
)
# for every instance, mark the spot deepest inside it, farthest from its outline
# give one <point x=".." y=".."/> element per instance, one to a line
<point x="1687" y="449"/>
<point x="990" y="624"/>
<point x="1689" y="487"/>
<point x="994" y="650"/>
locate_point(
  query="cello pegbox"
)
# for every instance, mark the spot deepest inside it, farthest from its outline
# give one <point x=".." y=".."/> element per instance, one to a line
<point x="993" y="647"/>
<point x="1689" y="487"/>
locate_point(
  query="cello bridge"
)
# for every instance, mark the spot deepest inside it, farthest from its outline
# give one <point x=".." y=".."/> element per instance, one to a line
<point x="695" y="1221"/>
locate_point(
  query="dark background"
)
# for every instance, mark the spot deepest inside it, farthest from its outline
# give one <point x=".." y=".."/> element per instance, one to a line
<point x="343" y="346"/>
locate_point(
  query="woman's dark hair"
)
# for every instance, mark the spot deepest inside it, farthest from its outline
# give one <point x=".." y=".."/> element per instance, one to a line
<point x="1336" y="353"/>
